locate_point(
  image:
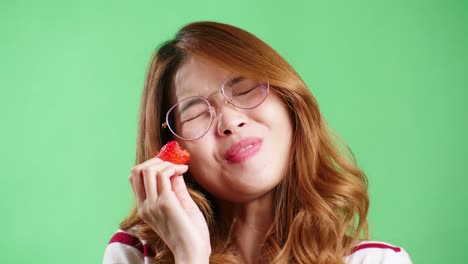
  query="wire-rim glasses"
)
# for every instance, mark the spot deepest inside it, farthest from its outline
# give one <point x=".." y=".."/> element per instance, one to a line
<point x="191" y="118"/>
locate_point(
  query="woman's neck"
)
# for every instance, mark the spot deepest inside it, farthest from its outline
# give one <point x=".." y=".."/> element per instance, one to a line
<point x="253" y="219"/>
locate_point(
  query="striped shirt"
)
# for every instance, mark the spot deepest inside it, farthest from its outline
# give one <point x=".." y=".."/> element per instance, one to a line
<point x="125" y="248"/>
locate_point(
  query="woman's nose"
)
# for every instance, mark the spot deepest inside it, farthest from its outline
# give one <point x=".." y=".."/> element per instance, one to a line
<point x="230" y="120"/>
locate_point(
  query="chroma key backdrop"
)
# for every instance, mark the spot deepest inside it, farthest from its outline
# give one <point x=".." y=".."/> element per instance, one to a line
<point x="391" y="77"/>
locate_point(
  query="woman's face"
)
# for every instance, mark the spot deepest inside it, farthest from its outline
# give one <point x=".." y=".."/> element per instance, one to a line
<point x="245" y="153"/>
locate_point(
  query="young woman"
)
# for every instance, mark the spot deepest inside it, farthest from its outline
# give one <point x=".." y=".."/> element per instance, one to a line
<point x="266" y="182"/>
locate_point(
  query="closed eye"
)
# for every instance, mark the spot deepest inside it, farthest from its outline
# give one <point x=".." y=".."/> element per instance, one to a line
<point x="243" y="91"/>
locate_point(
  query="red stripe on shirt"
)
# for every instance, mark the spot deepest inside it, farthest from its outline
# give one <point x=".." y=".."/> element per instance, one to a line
<point x="148" y="251"/>
<point x="127" y="239"/>
<point x="375" y="245"/>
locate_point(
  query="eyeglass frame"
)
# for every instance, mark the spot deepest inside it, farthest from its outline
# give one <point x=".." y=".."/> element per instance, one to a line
<point x="227" y="100"/>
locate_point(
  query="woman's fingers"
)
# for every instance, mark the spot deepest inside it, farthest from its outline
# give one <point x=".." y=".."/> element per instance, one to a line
<point x="165" y="205"/>
<point x="146" y="177"/>
<point x="181" y="169"/>
<point x="164" y="179"/>
<point x="137" y="185"/>
<point x="150" y="173"/>
<point x="181" y="192"/>
<point x="150" y="184"/>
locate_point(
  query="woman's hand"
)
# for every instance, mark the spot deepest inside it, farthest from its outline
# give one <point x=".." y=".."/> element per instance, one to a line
<point x="165" y="204"/>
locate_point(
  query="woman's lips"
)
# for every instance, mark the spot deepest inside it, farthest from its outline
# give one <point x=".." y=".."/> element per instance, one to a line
<point x="243" y="150"/>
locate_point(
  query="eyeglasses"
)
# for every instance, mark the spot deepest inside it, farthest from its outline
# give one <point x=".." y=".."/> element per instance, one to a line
<point x="191" y="117"/>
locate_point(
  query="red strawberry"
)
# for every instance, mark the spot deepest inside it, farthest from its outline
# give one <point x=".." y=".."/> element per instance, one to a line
<point x="174" y="153"/>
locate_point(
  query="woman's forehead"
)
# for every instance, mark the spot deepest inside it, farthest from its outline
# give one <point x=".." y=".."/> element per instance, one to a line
<point x="198" y="77"/>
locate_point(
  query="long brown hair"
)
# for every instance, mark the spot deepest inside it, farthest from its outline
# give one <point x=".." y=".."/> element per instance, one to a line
<point x="321" y="205"/>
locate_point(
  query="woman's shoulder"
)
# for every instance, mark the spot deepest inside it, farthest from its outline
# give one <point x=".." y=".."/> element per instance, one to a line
<point x="124" y="247"/>
<point x="377" y="252"/>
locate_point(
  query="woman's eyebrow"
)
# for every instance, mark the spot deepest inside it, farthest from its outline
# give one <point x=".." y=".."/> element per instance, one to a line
<point x="235" y="80"/>
<point x="190" y="102"/>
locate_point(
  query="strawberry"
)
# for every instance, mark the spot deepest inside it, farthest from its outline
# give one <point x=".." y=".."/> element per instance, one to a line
<point x="174" y="153"/>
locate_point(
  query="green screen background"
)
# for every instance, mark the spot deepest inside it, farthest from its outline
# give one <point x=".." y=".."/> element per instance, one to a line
<point x="390" y="77"/>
